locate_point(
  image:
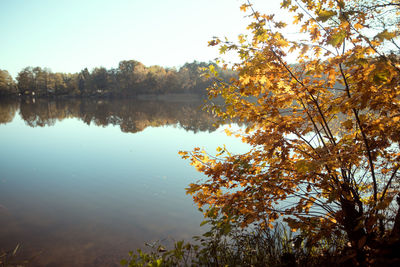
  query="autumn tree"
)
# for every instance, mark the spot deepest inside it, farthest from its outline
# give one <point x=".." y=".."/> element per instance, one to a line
<point x="99" y="79"/>
<point x="7" y="85"/>
<point x="26" y="81"/>
<point x="324" y="132"/>
<point x="155" y="79"/>
<point x="83" y="80"/>
<point x="130" y="74"/>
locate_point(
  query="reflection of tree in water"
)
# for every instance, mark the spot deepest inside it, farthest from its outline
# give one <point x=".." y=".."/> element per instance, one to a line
<point x="39" y="113"/>
<point x="8" y="108"/>
<point x="131" y="115"/>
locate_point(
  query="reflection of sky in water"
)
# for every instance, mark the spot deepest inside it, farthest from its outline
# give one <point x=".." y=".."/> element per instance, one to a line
<point x="93" y="193"/>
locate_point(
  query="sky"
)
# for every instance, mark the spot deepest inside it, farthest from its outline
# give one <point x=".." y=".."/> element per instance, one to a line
<point x="67" y="36"/>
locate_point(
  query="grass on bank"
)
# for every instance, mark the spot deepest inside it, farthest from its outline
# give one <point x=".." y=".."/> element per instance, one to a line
<point x="230" y="245"/>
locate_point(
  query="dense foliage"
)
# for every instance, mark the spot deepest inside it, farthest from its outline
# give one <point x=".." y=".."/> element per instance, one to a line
<point x="131" y="78"/>
<point x="325" y="132"/>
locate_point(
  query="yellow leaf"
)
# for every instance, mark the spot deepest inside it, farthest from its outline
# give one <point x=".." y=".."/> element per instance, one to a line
<point x="228" y="133"/>
<point x="244" y="7"/>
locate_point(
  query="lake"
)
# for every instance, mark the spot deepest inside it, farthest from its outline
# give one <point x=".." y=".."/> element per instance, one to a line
<point x="82" y="182"/>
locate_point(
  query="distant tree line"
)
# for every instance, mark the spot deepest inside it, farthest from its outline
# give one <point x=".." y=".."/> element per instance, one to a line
<point x="131" y="78"/>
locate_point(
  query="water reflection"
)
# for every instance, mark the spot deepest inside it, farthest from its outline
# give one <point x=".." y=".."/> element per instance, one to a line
<point x="82" y="192"/>
<point x="8" y="108"/>
<point x="132" y="115"/>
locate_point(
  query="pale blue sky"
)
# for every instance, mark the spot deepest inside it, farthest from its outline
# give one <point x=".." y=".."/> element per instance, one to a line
<point x="68" y="36"/>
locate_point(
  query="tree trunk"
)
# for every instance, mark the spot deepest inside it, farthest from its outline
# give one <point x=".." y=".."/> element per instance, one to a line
<point x="395" y="234"/>
<point x="355" y="229"/>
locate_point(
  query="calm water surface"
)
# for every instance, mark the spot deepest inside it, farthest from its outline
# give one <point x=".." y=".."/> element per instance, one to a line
<point x="82" y="182"/>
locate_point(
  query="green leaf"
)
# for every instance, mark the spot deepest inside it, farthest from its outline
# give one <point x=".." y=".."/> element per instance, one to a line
<point x="337" y="38"/>
<point x="324" y="15"/>
<point x="203" y="223"/>
<point x="223" y="49"/>
<point x="179" y="244"/>
<point x="381" y="76"/>
<point x="208" y="234"/>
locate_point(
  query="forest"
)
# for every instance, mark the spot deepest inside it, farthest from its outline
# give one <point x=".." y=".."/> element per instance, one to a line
<point x="130" y="79"/>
